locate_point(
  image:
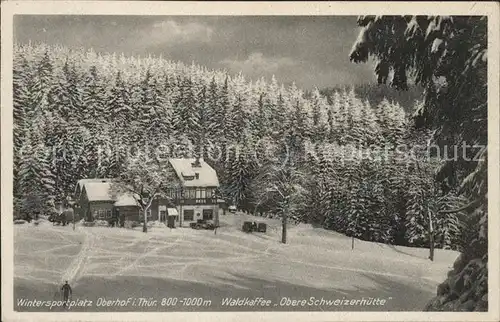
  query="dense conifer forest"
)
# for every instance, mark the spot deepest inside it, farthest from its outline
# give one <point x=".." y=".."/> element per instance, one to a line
<point x="447" y="56"/>
<point x="352" y="166"/>
<point x="376" y="93"/>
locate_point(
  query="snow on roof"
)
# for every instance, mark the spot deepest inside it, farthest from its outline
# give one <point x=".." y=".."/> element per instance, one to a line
<point x="172" y="212"/>
<point x="188" y="173"/>
<point x="82" y="182"/>
<point x="207" y="177"/>
<point x="125" y="200"/>
<point x="98" y="191"/>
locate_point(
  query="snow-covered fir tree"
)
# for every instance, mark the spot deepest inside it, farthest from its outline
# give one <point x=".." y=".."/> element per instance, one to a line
<point x="96" y="107"/>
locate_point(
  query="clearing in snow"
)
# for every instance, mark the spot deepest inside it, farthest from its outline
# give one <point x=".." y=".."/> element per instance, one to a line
<point x="200" y="270"/>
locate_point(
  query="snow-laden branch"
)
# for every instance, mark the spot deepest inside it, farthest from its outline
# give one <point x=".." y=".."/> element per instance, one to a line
<point x="466" y="207"/>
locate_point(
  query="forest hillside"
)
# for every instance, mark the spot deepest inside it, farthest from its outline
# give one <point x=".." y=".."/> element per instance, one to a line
<point x="344" y="164"/>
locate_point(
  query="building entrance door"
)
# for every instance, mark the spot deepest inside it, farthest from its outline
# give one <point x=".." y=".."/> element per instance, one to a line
<point x="162" y="211"/>
<point x="171" y="222"/>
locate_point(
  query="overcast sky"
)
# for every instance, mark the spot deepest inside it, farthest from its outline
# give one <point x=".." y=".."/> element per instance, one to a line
<point x="310" y="50"/>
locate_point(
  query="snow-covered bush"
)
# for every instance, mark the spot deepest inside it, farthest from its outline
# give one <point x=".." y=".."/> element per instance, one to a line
<point x="131" y="224"/>
<point x="88" y="223"/>
<point x="156" y="224"/>
<point x="101" y="223"/>
<point x="19" y="221"/>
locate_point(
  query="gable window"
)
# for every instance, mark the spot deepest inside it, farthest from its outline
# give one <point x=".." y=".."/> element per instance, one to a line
<point x="188" y="176"/>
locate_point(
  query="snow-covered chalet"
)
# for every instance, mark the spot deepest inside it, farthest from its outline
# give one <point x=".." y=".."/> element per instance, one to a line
<point x="195" y="198"/>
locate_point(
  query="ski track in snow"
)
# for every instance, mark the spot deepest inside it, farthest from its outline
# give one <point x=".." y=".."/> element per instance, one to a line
<point x="74" y="270"/>
<point x="145" y="254"/>
<point x="41" y="253"/>
<point x="230" y="252"/>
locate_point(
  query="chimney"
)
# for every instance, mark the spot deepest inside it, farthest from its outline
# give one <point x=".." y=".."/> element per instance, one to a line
<point x="196" y="163"/>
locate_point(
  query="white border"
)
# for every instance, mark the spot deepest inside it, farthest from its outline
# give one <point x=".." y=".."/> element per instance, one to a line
<point x="11" y="8"/>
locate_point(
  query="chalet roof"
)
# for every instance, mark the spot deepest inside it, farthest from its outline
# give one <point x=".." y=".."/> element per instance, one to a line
<point x="207" y="177"/>
<point x="125" y="200"/>
<point x="102" y="191"/>
<point x="98" y="191"/>
<point x="82" y="182"/>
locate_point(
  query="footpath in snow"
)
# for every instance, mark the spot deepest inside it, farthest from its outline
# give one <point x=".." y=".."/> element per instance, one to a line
<point x="182" y="262"/>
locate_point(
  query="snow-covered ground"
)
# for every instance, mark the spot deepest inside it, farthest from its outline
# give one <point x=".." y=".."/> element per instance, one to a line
<point x="111" y="263"/>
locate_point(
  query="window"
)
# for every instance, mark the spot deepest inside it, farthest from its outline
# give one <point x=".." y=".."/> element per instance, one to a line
<point x="188" y="215"/>
<point x="173" y="193"/>
<point x="201" y="193"/>
<point x="100" y="214"/>
<point x="208" y="214"/>
<point x="209" y="193"/>
<point x="190" y="193"/>
<point x="103" y="214"/>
